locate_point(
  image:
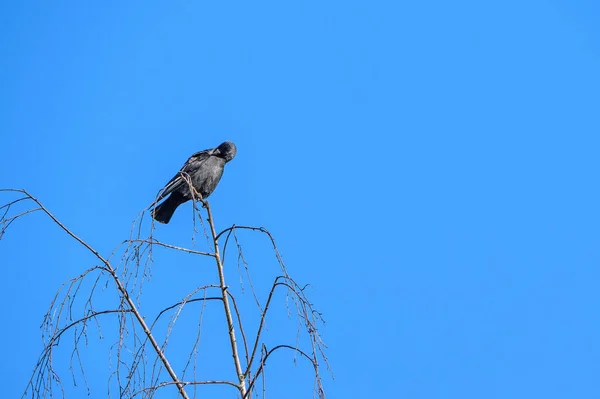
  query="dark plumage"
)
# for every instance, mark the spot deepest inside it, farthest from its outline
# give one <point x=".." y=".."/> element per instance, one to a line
<point x="204" y="170"/>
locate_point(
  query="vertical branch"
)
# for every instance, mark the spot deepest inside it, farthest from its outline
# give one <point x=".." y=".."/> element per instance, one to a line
<point x="230" y="326"/>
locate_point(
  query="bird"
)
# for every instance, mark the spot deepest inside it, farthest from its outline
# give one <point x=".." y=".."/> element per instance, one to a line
<point x="202" y="171"/>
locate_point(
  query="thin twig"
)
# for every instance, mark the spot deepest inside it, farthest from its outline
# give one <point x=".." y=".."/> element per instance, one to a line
<point x="182" y="249"/>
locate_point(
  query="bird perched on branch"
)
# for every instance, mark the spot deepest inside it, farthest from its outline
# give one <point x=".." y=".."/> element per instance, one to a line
<point x="202" y="172"/>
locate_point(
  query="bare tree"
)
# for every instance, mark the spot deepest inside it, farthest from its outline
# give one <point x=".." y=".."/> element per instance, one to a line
<point x="109" y="296"/>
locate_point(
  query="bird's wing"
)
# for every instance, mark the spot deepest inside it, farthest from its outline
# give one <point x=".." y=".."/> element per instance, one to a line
<point x="193" y="163"/>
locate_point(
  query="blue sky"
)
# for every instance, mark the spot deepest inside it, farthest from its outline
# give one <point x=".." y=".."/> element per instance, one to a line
<point x="430" y="168"/>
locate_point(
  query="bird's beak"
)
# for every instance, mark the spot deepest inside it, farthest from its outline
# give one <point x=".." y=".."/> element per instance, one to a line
<point x="216" y="152"/>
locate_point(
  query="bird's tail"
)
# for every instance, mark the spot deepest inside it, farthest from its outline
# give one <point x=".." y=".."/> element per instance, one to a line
<point x="163" y="212"/>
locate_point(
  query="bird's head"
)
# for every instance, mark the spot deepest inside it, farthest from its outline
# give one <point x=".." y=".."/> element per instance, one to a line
<point x="226" y="151"/>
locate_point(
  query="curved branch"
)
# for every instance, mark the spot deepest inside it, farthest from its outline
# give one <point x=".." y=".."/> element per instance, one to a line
<point x="7" y="206"/>
<point x="264" y="361"/>
<point x="234" y="227"/>
<point x="183" y="303"/>
<point x="262" y="321"/>
<point x="53" y="341"/>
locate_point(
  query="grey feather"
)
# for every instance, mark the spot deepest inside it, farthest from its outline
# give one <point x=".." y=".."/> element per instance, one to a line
<point x="203" y="170"/>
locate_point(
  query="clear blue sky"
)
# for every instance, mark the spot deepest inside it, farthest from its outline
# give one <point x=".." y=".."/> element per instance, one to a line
<point x="430" y="168"/>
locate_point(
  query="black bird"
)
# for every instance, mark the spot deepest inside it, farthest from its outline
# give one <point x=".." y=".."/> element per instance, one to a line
<point x="203" y="170"/>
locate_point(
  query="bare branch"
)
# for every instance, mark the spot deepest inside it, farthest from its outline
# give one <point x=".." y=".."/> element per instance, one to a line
<point x="156" y="242"/>
<point x="234" y="351"/>
<point x="120" y="287"/>
<point x="262" y="321"/>
<point x="264" y="361"/>
<point x="139" y="367"/>
<point x="239" y="318"/>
